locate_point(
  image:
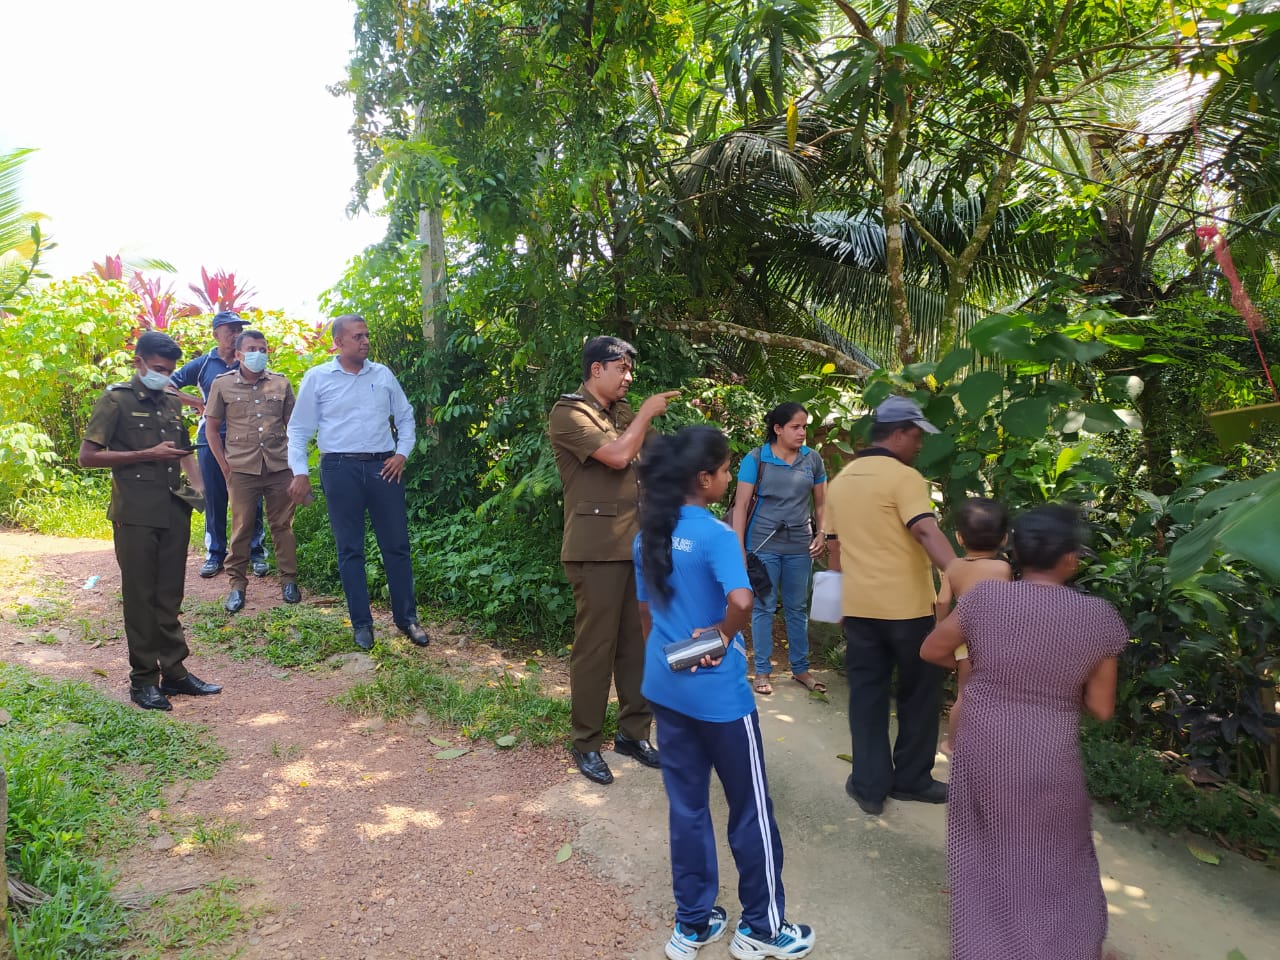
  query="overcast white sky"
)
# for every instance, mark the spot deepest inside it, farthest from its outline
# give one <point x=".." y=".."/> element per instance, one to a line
<point x="201" y="134"/>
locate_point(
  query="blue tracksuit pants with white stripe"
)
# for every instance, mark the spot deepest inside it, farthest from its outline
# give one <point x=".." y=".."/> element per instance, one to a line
<point x="690" y="749"/>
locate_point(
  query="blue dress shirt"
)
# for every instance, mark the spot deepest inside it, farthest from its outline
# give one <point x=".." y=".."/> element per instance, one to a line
<point x="349" y="413"/>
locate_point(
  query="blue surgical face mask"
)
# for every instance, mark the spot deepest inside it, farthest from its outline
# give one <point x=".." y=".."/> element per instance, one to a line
<point x="153" y="380"/>
<point x="255" y="361"/>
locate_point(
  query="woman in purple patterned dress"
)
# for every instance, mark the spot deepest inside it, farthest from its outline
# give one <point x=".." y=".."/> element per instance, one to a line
<point x="1023" y="871"/>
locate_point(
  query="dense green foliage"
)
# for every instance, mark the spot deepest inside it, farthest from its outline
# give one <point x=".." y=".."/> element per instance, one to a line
<point x="771" y="200"/>
<point x="62" y="346"/>
<point x="83" y="770"/>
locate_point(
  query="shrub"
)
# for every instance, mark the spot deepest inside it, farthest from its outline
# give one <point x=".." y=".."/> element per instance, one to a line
<point x="1138" y="786"/>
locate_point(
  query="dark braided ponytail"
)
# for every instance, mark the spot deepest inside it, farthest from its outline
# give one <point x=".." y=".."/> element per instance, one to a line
<point x="668" y="471"/>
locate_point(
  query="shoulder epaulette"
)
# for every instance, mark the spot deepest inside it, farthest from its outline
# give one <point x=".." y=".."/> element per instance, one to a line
<point x="121" y="386"/>
<point x="224" y="374"/>
<point x="572" y="396"/>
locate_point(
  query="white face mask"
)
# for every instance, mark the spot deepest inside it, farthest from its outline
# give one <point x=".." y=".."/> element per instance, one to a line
<point x="255" y="361"/>
<point x="153" y="380"/>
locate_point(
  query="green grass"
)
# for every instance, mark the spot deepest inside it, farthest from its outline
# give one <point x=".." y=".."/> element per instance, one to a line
<point x="82" y="771"/>
<point x="80" y="513"/>
<point x="195" y="926"/>
<point x="215" y="836"/>
<point x="31" y="602"/>
<point x="288" y="635"/>
<point x="482" y="710"/>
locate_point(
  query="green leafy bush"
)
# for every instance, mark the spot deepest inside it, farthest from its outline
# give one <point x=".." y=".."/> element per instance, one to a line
<point x="500" y="571"/>
<point x="1139" y="787"/>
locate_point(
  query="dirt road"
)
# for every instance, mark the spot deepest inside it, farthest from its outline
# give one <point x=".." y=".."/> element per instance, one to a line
<point x="357" y="844"/>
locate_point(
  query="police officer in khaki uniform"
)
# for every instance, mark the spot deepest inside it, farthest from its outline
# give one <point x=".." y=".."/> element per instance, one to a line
<point x="596" y="438"/>
<point x="254" y="458"/>
<point x="136" y="431"/>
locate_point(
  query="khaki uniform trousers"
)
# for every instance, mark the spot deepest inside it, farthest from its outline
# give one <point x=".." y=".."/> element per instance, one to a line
<point x="608" y="643"/>
<point x="273" y="488"/>
<point x="153" y="570"/>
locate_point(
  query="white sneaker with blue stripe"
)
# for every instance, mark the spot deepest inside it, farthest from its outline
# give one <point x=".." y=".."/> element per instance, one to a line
<point x="685" y="941"/>
<point x="792" y="940"/>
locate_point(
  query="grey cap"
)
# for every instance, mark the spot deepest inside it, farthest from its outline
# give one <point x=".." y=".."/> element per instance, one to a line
<point x="902" y="410"/>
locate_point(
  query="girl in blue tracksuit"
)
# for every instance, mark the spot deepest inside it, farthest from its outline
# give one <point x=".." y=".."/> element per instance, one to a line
<point x="690" y="575"/>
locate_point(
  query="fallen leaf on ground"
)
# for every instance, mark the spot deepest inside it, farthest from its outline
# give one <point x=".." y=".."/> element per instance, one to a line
<point x="440" y="741"/>
<point x="452" y="754"/>
<point x="100" y="672"/>
<point x="564" y="853"/>
<point x="506" y="742"/>
<point x="1203" y="855"/>
<point x="846" y="757"/>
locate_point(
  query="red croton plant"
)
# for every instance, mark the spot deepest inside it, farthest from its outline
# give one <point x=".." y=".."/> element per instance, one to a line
<point x="217" y="291"/>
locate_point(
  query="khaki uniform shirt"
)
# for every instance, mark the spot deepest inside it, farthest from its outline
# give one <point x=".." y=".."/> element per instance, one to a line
<point x="600" y="503"/>
<point x="256" y="415"/>
<point x="872" y="505"/>
<point x="128" y="416"/>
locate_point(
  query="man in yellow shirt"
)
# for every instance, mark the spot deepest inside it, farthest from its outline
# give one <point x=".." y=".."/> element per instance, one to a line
<point x="883" y="536"/>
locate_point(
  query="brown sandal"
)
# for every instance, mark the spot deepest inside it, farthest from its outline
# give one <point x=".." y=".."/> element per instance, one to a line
<point x="807" y="681"/>
<point x="762" y="685"/>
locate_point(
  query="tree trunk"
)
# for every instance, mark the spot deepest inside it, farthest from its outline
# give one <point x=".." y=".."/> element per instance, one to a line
<point x="431" y="235"/>
<point x="1153" y="406"/>
<point x="891" y="187"/>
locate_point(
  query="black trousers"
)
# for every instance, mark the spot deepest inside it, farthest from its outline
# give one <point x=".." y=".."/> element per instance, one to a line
<point x="153" y="570"/>
<point x="873" y="649"/>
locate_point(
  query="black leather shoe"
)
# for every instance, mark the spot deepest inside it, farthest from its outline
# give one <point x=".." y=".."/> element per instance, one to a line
<point x="417" y="636"/>
<point x="150" y="698"/>
<point x="592" y="766"/>
<point x="873" y="807"/>
<point x="363" y="636"/>
<point x="210" y="568"/>
<point x="641" y="750"/>
<point x="260" y="567"/>
<point x="935" y="792"/>
<point x="291" y="593"/>
<point x="191" y="685"/>
<point x="235" y="601"/>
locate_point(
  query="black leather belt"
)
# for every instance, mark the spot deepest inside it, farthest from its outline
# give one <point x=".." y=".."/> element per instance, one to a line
<point x="362" y="456"/>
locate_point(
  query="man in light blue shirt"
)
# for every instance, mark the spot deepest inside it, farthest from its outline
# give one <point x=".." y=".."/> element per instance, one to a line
<point x="363" y="425"/>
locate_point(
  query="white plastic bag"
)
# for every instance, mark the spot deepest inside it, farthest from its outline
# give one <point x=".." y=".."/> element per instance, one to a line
<point x="826" y="607"/>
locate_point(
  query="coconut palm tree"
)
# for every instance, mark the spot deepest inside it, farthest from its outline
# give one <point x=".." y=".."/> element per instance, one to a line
<point x="21" y="240"/>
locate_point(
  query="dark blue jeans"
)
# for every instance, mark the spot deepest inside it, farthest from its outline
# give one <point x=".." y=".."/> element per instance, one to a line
<point x="691" y="749"/>
<point x="215" y="511"/>
<point x="353" y="488"/>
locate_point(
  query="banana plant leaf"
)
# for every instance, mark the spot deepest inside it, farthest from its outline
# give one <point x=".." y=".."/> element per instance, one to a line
<point x="1242" y="519"/>
<point x="1237" y="426"/>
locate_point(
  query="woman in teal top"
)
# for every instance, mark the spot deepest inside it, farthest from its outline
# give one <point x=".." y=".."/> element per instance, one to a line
<point x="785" y="477"/>
<point x="690" y="576"/>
